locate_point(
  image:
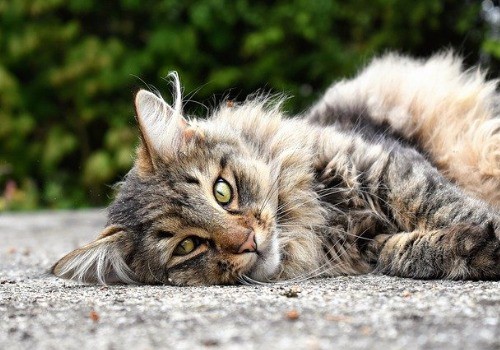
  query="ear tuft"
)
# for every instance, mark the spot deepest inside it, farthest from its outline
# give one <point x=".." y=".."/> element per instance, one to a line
<point x="194" y="133"/>
<point x="100" y="261"/>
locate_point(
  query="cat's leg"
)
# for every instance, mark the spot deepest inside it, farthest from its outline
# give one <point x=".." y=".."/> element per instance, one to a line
<point x="434" y="229"/>
<point x="458" y="252"/>
<point x="450" y="234"/>
<point x="450" y="113"/>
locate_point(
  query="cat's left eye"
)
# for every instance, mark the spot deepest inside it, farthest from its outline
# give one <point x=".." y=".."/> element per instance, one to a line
<point x="223" y="192"/>
<point x="187" y="246"/>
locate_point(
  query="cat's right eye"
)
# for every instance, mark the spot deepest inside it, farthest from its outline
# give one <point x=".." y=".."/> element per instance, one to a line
<point x="223" y="192"/>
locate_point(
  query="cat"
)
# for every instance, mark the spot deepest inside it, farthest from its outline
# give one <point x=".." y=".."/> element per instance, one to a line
<point x="396" y="171"/>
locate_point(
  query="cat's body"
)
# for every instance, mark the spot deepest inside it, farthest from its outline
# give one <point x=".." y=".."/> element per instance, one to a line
<point x="350" y="188"/>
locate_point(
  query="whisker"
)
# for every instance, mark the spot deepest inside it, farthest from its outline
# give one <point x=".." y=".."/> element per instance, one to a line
<point x="326" y="226"/>
<point x="153" y="275"/>
<point x="243" y="281"/>
<point x="251" y="281"/>
<point x="274" y="189"/>
<point x="324" y="267"/>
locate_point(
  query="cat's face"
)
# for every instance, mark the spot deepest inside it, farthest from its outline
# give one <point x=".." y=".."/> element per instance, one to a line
<point x="204" y="217"/>
<point x="197" y="208"/>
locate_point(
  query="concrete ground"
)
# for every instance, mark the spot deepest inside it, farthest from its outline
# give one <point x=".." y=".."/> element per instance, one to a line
<point x="38" y="311"/>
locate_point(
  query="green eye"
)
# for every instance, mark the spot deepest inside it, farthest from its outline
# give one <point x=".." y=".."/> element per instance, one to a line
<point x="222" y="192"/>
<point x="186" y="246"/>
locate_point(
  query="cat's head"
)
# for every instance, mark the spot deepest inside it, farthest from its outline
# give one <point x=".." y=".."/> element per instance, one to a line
<point x="198" y="207"/>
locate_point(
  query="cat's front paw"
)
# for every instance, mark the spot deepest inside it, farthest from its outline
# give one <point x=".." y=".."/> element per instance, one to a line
<point x="478" y="248"/>
<point x="463" y="251"/>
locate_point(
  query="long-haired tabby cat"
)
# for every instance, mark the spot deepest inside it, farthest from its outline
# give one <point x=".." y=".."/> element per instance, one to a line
<point x="396" y="171"/>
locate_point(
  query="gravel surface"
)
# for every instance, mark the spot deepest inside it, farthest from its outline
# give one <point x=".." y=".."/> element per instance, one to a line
<point x="38" y="311"/>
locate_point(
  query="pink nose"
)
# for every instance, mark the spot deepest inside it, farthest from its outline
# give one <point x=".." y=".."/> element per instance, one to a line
<point x="249" y="246"/>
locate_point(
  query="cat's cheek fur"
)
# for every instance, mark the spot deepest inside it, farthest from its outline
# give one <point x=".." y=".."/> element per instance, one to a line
<point x="101" y="261"/>
<point x="268" y="262"/>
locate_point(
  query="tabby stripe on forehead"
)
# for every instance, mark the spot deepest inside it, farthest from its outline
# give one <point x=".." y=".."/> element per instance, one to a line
<point x="191" y="180"/>
<point x="188" y="219"/>
<point x="243" y="196"/>
<point x="183" y="201"/>
<point x="223" y="161"/>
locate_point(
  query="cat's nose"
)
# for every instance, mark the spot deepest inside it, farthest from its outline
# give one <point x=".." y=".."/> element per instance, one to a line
<point x="249" y="246"/>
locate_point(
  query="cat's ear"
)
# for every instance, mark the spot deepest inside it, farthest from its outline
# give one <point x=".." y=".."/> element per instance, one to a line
<point x="101" y="261"/>
<point x="163" y="129"/>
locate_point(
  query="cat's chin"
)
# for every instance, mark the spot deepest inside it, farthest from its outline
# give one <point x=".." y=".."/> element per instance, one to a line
<point x="267" y="263"/>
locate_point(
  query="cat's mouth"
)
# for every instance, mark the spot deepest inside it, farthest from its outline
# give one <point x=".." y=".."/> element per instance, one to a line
<point x="267" y="259"/>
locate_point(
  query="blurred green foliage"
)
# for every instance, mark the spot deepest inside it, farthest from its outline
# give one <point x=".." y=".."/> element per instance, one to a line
<point x="69" y="69"/>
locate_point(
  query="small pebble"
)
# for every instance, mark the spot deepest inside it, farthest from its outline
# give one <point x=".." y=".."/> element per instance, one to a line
<point x="293" y="292"/>
<point x="94" y="316"/>
<point x="292" y="315"/>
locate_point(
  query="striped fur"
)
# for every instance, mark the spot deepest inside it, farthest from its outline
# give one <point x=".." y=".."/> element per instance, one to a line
<point x="395" y="171"/>
<point x="451" y="114"/>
